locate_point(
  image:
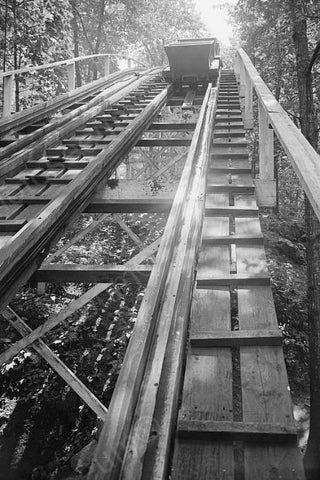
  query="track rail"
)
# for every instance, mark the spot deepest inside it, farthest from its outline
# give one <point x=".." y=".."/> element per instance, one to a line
<point x="94" y="155"/>
<point x="163" y="420"/>
<point x="31" y="125"/>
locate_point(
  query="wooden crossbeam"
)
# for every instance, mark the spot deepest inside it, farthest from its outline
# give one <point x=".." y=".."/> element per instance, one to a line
<point x="164" y="142"/>
<point x="233" y="279"/>
<point x="60" y="368"/>
<point x="166" y="167"/>
<point x="71" y="308"/>
<point x="60" y="273"/>
<point x="231" y="188"/>
<point x="245" y="239"/>
<point x="105" y="205"/>
<point x="11" y="225"/>
<point x="235" y="211"/>
<point x="172" y="127"/>
<point x="236" y="338"/>
<point x="235" y="431"/>
<point x="130" y="205"/>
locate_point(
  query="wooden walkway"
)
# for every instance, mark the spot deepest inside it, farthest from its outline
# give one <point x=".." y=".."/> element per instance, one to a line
<point x="235" y="419"/>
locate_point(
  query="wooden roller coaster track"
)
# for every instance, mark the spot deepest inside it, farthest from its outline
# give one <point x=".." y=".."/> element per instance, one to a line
<point x="203" y="390"/>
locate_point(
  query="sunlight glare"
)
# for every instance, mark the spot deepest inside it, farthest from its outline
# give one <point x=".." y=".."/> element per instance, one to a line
<point x="214" y="15"/>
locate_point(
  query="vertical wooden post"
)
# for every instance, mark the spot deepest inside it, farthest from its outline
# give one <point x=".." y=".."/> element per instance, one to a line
<point x="236" y="67"/>
<point x="242" y="88"/>
<point x="7" y="95"/>
<point x="266" y="184"/>
<point x="248" y="104"/>
<point x="107" y="66"/>
<point x="266" y="160"/>
<point x="71" y="76"/>
<point x="129" y="62"/>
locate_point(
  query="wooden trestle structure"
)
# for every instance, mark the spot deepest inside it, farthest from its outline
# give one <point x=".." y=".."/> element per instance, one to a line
<point x="203" y="392"/>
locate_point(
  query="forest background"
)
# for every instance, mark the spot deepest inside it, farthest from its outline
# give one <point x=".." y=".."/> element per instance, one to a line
<point x="41" y="31"/>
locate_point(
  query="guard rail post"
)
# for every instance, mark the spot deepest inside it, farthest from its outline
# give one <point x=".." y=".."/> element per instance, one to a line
<point x="107" y="66"/>
<point x="71" y="76"/>
<point x="7" y="95"/>
<point x="248" y="104"/>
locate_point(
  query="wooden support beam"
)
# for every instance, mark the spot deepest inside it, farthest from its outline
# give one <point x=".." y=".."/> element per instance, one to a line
<point x="266" y="147"/>
<point x="164" y="142"/>
<point x="270" y="433"/>
<point x="231" y="188"/>
<point x="248" y="104"/>
<point x="71" y="76"/>
<point x="71" y="308"/>
<point x="7" y="95"/>
<point x="61" y="273"/>
<point x="57" y="365"/>
<point x="236" y="338"/>
<point x="172" y="127"/>
<point x="245" y="239"/>
<point x="166" y="167"/>
<point x="240" y="280"/>
<point x="266" y="186"/>
<point x="11" y="225"/>
<point x="98" y="205"/>
<point x="235" y="211"/>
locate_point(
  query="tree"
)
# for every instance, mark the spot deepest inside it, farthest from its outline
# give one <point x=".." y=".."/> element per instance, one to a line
<point x="310" y="131"/>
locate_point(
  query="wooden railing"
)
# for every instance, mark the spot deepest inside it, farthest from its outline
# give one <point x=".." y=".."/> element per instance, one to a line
<point x="9" y="76"/>
<point x="273" y="119"/>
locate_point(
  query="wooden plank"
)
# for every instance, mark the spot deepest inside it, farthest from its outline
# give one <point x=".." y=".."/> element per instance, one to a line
<point x="189" y="98"/>
<point x="235" y="211"/>
<point x="67" y="311"/>
<point x="172" y="127"/>
<point x="54" y="361"/>
<point x="206" y="279"/>
<point x="190" y="424"/>
<point x="266" y="191"/>
<point x="98" y="205"/>
<point x="164" y="142"/>
<point x="74" y="197"/>
<point x="207" y="368"/>
<point x="230" y="188"/>
<point x="60" y="273"/>
<point x="246" y="239"/>
<point x="11" y="225"/>
<point x="236" y="338"/>
<point x="115" y="433"/>
<point x="263" y="373"/>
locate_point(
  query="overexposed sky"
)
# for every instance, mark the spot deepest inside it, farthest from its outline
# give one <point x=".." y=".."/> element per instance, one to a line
<point x="215" y="19"/>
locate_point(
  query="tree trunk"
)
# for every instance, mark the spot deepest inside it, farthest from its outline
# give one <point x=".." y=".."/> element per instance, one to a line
<point x="76" y="40"/>
<point x="308" y="127"/>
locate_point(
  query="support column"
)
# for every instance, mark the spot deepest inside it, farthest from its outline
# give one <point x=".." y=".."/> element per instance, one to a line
<point x="107" y="66"/>
<point x="71" y="76"/>
<point x="266" y="184"/>
<point x="7" y="95"/>
<point x="248" y="105"/>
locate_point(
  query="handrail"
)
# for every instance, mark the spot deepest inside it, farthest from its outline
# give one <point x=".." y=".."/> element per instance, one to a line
<point x="305" y="160"/>
<point x="8" y="76"/>
<point x="68" y="61"/>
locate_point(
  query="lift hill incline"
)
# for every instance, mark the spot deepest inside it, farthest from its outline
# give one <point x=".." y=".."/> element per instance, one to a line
<point x="228" y="413"/>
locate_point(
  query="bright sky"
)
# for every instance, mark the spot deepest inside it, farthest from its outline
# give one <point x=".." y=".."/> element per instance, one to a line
<point x="215" y="19"/>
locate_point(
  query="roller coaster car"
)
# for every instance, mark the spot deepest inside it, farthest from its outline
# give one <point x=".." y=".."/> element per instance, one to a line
<point x="193" y="61"/>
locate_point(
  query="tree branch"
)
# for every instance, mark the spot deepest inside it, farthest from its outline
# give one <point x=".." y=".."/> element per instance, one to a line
<point x="83" y="27"/>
